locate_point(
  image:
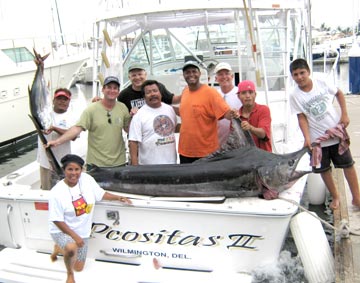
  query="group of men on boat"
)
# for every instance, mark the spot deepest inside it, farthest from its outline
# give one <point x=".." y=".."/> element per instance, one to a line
<point x="144" y="111"/>
<point x="151" y="132"/>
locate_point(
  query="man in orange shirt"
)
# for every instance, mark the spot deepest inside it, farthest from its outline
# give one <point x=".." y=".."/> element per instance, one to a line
<point x="200" y="108"/>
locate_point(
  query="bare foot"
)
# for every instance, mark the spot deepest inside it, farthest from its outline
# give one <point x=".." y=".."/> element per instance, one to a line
<point x="335" y="204"/>
<point x="53" y="257"/>
<point x="55" y="252"/>
<point x="70" y="278"/>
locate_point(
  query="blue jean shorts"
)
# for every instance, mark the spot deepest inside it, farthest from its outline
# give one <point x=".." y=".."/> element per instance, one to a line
<point x="62" y="239"/>
<point x="331" y="154"/>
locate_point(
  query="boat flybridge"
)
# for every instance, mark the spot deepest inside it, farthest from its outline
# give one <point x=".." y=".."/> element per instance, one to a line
<point x="257" y="38"/>
<point x="169" y="239"/>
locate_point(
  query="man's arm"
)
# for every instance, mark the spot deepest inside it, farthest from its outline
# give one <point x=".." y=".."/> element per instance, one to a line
<point x="134" y="152"/>
<point x="231" y="113"/>
<point x="304" y="127"/>
<point x="263" y="128"/>
<point x="259" y="132"/>
<point x="176" y="99"/>
<point x="70" y="134"/>
<point x="344" y="115"/>
<point x="67" y="230"/>
<point x="59" y="131"/>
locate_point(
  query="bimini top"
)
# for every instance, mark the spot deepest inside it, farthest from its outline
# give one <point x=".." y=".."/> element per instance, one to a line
<point x="154" y="15"/>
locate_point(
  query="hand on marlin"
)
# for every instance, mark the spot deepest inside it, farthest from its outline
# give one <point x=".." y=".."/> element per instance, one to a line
<point x="51" y="143"/>
<point x="231" y="114"/>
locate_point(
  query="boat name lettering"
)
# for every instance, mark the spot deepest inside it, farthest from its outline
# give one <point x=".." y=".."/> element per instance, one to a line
<point x="178" y="237"/>
<point x="149" y="253"/>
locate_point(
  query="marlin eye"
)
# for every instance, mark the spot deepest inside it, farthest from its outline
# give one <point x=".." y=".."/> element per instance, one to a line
<point x="291" y="162"/>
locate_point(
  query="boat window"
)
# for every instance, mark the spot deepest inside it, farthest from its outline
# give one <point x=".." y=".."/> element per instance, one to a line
<point x="19" y="54"/>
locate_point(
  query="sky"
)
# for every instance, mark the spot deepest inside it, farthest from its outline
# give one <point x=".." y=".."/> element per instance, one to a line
<point x="36" y="16"/>
<point x="334" y="13"/>
<point x="78" y="15"/>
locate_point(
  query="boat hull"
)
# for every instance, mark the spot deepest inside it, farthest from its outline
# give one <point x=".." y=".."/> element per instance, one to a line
<point x="231" y="235"/>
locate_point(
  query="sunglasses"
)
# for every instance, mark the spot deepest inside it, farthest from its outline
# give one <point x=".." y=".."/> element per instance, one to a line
<point x="109" y="117"/>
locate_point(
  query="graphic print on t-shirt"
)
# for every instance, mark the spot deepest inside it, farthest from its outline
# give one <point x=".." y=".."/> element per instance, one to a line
<point x="137" y="103"/>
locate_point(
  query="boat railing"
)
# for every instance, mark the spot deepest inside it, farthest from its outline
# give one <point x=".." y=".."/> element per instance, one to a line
<point x="330" y="64"/>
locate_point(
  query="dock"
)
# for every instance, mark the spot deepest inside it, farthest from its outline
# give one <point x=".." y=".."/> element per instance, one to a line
<point x="347" y="251"/>
<point x="331" y="60"/>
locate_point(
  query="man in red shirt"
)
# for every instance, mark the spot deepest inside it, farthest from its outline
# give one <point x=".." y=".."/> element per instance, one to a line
<point x="255" y="117"/>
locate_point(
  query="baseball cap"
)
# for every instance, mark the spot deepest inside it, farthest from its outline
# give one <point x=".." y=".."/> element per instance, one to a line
<point x="190" y="64"/>
<point x="136" y="67"/>
<point x="246" y="85"/>
<point x="111" y="79"/>
<point x="62" y="93"/>
<point x="222" y="66"/>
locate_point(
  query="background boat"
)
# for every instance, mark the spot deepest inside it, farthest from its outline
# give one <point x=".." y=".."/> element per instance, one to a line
<point x="17" y="70"/>
<point x="40" y="28"/>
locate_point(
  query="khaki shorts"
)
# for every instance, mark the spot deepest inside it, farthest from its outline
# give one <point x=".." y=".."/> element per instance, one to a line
<point x="45" y="178"/>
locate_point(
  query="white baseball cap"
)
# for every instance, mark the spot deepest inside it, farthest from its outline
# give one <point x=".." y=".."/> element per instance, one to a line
<point x="222" y="66"/>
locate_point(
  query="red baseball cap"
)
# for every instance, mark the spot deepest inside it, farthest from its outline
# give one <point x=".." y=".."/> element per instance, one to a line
<point x="245" y="86"/>
<point x="62" y="93"/>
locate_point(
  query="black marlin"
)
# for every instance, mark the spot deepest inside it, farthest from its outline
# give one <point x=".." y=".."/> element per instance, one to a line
<point x="238" y="169"/>
<point x="241" y="172"/>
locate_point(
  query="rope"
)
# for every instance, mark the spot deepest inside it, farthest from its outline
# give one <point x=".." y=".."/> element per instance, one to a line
<point x="343" y="232"/>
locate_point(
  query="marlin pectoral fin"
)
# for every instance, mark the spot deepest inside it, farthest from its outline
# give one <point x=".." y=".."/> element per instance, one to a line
<point x="270" y="194"/>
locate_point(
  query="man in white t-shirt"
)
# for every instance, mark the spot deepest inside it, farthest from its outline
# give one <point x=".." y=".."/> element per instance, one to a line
<point x="225" y="78"/>
<point x="312" y="101"/>
<point x="61" y="120"/>
<point x="152" y="129"/>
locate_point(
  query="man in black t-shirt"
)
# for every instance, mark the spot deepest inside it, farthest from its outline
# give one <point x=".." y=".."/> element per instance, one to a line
<point x="132" y="96"/>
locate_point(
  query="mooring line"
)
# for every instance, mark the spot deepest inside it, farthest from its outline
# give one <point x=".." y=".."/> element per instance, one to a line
<point x="343" y="231"/>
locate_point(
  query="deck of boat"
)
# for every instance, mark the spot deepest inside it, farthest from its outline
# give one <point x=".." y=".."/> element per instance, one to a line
<point x="347" y="251"/>
<point x="34" y="267"/>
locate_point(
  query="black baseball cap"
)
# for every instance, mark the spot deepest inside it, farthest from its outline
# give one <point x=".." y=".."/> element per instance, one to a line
<point x="111" y="79"/>
<point x="190" y="64"/>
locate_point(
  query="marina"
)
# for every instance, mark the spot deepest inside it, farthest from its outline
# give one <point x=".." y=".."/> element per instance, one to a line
<point x="177" y="239"/>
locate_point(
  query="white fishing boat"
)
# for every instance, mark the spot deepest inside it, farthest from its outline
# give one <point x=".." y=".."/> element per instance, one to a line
<point x="17" y="71"/>
<point x="175" y="239"/>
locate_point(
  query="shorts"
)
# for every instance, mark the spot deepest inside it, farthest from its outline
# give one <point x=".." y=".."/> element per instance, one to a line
<point x="185" y="159"/>
<point x="45" y="178"/>
<point x="62" y="239"/>
<point x="331" y="154"/>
